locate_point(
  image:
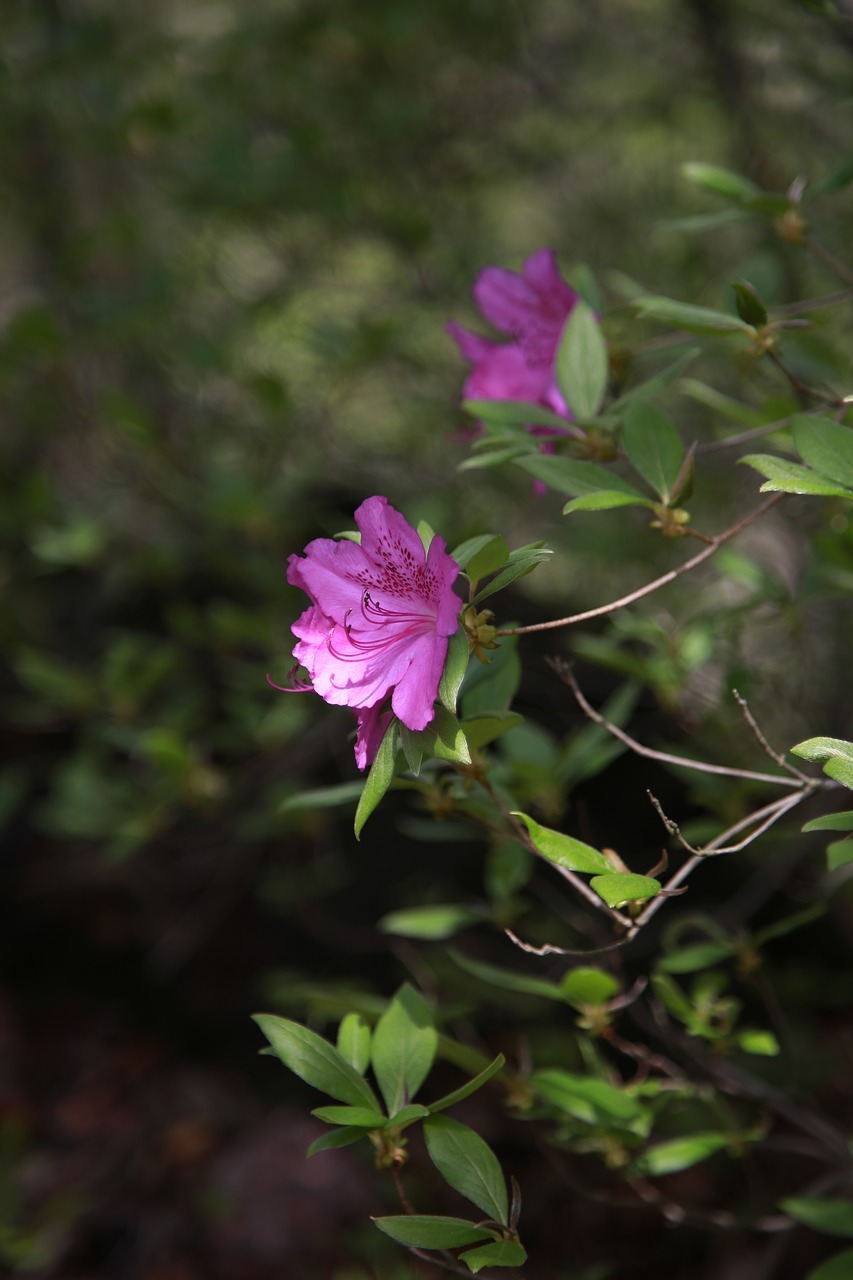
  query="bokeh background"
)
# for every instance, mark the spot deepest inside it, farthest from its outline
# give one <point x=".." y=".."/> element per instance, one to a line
<point x="231" y="235"/>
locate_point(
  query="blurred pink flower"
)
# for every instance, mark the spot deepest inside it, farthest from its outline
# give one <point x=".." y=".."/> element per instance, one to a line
<point x="378" y="624"/>
<point x="531" y="308"/>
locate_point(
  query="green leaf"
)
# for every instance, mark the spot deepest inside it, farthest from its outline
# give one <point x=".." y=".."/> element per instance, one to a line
<point x="488" y="559"/>
<point x="824" y="749"/>
<point x="653" y="447"/>
<point x="683" y="315"/>
<point x="432" y="922"/>
<point x="361" y="1117"/>
<point x="568" y="475"/>
<point x="699" y="956"/>
<point x="492" y="686"/>
<point x="587" y="1098"/>
<point x="672" y="997"/>
<point x="587" y="985"/>
<point x="832" y="1217"/>
<point x="826" y="446"/>
<point x="322" y="797"/>
<point x="315" y="1061"/>
<point x="406" y="1115"/>
<point x="832" y="822"/>
<point x="840" y="1267"/>
<point x="841" y="770"/>
<point x="415" y="744"/>
<point x="380" y="777"/>
<point x="605" y="500"/>
<point x="521" y="563"/>
<point x="839" y="854"/>
<point x="565" y="850"/>
<point x="450" y="741"/>
<point x="680" y="1153"/>
<point x="403" y="1050"/>
<point x="507" y="979"/>
<point x="621" y="886"/>
<point x="484" y="728"/>
<point x="336" y="1138"/>
<point x="469" y="548"/>
<point x="788" y="924"/>
<point x="580" y="363"/>
<point x="658" y="382"/>
<point x="512" y="412"/>
<point x="749" y="305"/>
<point x="494" y="456"/>
<point x="427" y="1231"/>
<point x="354" y="1041"/>
<point x="468" y="1164"/>
<point x="455" y="666"/>
<point x="503" y="1253"/>
<point x="426" y="533"/>
<point x="470" y="1086"/>
<point x="789" y="477"/>
<point x="762" y="1043"/>
<point x="720" y="182"/>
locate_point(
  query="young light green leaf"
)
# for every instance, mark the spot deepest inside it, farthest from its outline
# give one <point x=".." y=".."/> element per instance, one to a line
<point x="354" y="1041"/>
<point x="653" y="447"/>
<point x="455" y="666"/>
<point x="580" y="363"/>
<point x="380" y="777"/>
<point x="720" y="182"/>
<point x="316" y="1061"/>
<point x="587" y="985"/>
<point x="824" y="749"/>
<point x="761" y="1043"/>
<point x="403" y="1050"/>
<point x="407" y="1115"/>
<point x="568" y="475"/>
<point x="684" y="315"/>
<point x="833" y="1217"/>
<point x="618" y="887"/>
<point x="468" y="1164"/>
<point x="433" y="922"/>
<point x="825" y="445"/>
<point x="841" y="770"/>
<point x="564" y="850"/>
<point x="832" y="822"/>
<point x="488" y="559"/>
<point x="502" y="1253"/>
<point x="428" y="1231"/>
<point x="470" y="1086"/>
<point x="784" y="476"/>
<point x="361" y="1117"/>
<point x="839" y="1267"/>
<point x="605" y="500"/>
<point x="680" y="1153"/>
<point x="336" y="1138"/>
<point x="450" y="741"/>
<point x="520" y="563"/>
<point x="426" y="533"/>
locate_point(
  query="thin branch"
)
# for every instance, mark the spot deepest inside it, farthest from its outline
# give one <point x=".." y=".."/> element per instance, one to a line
<point x="550" y="949"/>
<point x="766" y="817"/>
<point x="835" y="264"/>
<point x="688" y="565"/>
<point x="776" y="756"/>
<point x="565" y="673"/>
<point x="744" y="437"/>
<point x="813" y="304"/>
<point x="825" y="397"/>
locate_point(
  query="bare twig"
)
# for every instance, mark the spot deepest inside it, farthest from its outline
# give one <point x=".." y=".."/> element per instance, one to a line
<point x="686" y="567"/>
<point x="549" y="949"/>
<point x="835" y="264"/>
<point x="765" y="818"/>
<point x="564" y="671"/>
<point x="776" y="756"/>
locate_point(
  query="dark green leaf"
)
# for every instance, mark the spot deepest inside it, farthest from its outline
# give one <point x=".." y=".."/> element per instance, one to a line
<point x="488" y="559"/>
<point x="361" y="1117"/>
<point x="322" y="797"/>
<point x="336" y="1138"/>
<point x="832" y="1217"/>
<point x="507" y="979"/>
<point x="653" y="447"/>
<point x="683" y="315"/>
<point x="580" y="364"/>
<point x="720" y="182"/>
<point x="568" y="475"/>
<point x="519" y="412"/>
<point x="503" y="1253"/>
<point x="699" y="956"/>
<point x="564" y="850"/>
<point x="832" y="822"/>
<point x="483" y="729"/>
<point x="494" y="457"/>
<point x="315" y="1061"/>
<point x="468" y="1164"/>
<point x="839" y="854"/>
<point x="469" y="548"/>
<point x="840" y="1267"/>
<point x="492" y="686"/>
<point x="403" y="1049"/>
<point x="605" y="500"/>
<point x="519" y="566"/>
<point x="380" y="777"/>
<point x="749" y="305"/>
<point x="406" y="1115"/>
<point x="450" y="741"/>
<point x="841" y="770"/>
<point x="425" y="1231"/>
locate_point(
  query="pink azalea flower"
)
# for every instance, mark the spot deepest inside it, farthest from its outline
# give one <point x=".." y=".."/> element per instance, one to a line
<point x="379" y="621"/>
<point x="531" y="308"/>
